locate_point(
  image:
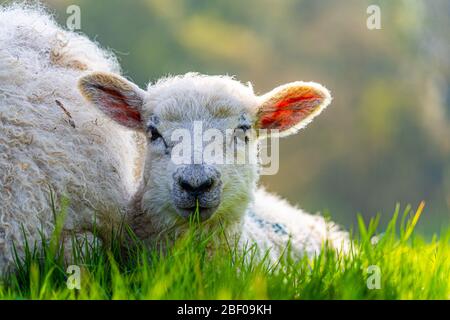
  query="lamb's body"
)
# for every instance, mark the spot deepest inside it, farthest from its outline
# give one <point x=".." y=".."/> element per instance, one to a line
<point x="272" y="223"/>
<point x="51" y="138"/>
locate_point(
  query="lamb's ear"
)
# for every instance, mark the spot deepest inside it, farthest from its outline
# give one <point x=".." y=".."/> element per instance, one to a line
<point x="291" y="107"/>
<point x="117" y="97"/>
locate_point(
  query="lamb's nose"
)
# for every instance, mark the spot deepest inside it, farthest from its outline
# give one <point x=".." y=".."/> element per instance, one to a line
<point x="197" y="180"/>
<point x="196" y="186"/>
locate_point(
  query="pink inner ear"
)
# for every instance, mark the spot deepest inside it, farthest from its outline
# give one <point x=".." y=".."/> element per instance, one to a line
<point x="290" y="111"/>
<point x="116" y="107"/>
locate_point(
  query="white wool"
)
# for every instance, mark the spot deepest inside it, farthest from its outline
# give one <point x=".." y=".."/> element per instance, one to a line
<point x="50" y="137"/>
<point x="273" y="223"/>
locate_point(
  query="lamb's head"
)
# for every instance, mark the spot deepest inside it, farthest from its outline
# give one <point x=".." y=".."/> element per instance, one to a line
<point x="202" y="138"/>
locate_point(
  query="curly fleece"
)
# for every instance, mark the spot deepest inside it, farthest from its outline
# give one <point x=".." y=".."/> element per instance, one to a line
<point x="50" y="138"/>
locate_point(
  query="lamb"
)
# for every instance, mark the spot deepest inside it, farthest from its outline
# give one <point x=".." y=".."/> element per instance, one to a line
<point x="179" y="182"/>
<point x="51" y="138"/>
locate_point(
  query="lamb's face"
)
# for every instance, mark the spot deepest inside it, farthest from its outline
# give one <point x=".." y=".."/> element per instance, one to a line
<point x="193" y="124"/>
<point x="202" y="136"/>
<point x="175" y="182"/>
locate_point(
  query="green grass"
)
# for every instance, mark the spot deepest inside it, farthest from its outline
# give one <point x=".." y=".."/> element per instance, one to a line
<point x="410" y="268"/>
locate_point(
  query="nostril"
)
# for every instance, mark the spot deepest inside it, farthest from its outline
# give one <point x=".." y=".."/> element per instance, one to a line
<point x="205" y="185"/>
<point x="186" y="186"/>
<point x="197" y="188"/>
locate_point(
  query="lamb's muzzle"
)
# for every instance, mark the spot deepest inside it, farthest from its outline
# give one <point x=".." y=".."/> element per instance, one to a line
<point x="197" y="184"/>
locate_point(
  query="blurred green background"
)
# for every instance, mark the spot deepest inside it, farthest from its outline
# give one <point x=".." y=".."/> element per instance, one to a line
<point x="385" y="138"/>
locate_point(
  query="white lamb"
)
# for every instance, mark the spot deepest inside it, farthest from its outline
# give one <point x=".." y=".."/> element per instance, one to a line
<point x="50" y="138"/>
<point x="225" y="193"/>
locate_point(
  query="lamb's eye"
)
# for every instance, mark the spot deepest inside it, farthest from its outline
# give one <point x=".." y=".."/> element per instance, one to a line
<point x="244" y="127"/>
<point x="153" y="132"/>
<point x="241" y="132"/>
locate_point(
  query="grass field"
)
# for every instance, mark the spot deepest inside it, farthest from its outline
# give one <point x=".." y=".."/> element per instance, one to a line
<point x="399" y="265"/>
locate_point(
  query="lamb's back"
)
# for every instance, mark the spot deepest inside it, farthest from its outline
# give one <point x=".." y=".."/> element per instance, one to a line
<point x="50" y="138"/>
<point x="272" y="223"/>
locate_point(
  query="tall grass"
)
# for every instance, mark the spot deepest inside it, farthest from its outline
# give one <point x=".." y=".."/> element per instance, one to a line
<point x="410" y="268"/>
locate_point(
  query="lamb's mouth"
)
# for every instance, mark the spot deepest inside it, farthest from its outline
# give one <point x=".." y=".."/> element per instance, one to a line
<point x="204" y="213"/>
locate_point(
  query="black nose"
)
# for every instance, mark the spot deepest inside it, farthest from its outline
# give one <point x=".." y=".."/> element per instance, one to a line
<point x="196" y="187"/>
<point x="196" y="180"/>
